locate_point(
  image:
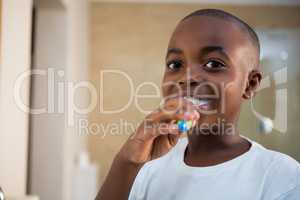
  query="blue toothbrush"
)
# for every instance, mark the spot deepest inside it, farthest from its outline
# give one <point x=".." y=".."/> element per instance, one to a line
<point x="184" y="125"/>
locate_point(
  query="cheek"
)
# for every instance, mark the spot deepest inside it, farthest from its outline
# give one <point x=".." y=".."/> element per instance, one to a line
<point x="170" y="85"/>
<point x="169" y="88"/>
<point x="164" y="86"/>
<point x="233" y="87"/>
<point x="232" y="98"/>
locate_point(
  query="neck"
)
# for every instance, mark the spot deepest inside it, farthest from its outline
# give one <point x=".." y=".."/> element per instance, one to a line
<point x="208" y="141"/>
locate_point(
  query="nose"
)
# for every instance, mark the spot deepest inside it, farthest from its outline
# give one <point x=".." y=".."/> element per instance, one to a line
<point x="192" y="76"/>
<point x="191" y="82"/>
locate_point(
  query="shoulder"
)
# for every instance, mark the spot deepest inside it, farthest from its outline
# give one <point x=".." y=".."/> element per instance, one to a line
<point x="276" y="161"/>
<point x="282" y="172"/>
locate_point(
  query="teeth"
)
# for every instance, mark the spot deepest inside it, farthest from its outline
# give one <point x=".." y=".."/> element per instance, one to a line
<point x="198" y="102"/>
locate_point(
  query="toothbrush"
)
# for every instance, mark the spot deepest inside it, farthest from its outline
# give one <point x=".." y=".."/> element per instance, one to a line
<point x="184" y="125"/>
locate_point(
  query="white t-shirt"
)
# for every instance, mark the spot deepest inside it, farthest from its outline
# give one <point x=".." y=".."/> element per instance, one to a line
<point x="257" y="174"/>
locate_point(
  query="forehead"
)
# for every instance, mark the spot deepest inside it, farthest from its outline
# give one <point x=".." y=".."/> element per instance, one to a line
<point x="200" y="31"/>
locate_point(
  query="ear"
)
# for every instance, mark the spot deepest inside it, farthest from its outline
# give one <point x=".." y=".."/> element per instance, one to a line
<point x="253" y="82"/>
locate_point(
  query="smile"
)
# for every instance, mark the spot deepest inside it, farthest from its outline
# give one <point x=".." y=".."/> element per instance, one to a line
<point x="201" y="103"/>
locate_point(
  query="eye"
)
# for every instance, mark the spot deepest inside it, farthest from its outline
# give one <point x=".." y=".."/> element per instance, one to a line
<point x="214" y="65"/>
<point x="174" y="65"/>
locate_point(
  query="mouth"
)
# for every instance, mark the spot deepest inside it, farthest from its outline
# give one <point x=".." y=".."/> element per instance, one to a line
<point x="202" y="103"/>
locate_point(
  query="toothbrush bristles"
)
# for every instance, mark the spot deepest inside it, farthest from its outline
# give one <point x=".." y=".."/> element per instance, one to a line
<point x="196" y="101"/>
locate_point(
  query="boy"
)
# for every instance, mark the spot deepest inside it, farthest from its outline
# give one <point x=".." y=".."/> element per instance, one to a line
<point x="212" y="57"/>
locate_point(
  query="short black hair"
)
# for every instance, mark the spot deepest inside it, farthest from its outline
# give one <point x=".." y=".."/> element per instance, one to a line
<point x="230" y="17"/>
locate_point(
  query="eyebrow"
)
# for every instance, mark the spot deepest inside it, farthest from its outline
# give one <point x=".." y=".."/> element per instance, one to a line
<point x="204" y="51"/>
<point x="210" y="49"/>
<point x="173" y="51"/>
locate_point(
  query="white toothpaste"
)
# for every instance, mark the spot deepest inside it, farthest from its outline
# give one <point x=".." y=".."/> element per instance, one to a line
<point x="197" y="102"/>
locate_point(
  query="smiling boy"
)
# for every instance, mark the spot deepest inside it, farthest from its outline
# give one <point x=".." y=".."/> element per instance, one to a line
<point x="212" y="56"/>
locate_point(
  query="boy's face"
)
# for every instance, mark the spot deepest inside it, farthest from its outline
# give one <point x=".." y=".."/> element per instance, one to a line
<point x="210" y="56"/>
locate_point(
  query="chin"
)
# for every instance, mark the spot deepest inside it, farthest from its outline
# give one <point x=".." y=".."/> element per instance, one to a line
<point x="215" y="124"/>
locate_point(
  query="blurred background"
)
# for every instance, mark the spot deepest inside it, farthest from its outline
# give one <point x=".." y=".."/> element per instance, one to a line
<point x="77" y="77"/>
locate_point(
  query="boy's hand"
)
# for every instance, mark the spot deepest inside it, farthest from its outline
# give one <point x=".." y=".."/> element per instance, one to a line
<point x="158" y="133"/>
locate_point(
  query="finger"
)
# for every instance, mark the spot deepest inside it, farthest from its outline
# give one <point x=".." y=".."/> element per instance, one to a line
<point x="177" y="104"/>
<point x="156" y="123"/>
<point x="191" y="115"/>
<point x="162" y="117"/>
<point x="152" y="131"/>
<point x="181" y="105"/>
<point x="165" y="129"/>
<point x="172" y="112"/>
